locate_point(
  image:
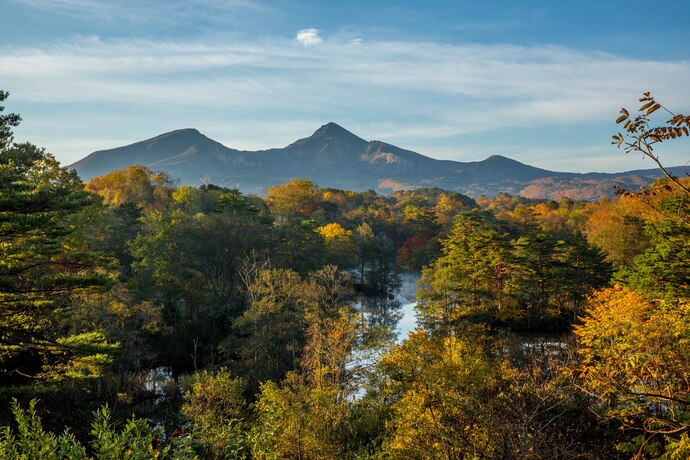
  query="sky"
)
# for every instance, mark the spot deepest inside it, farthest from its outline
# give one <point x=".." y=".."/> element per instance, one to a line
<point x="537" y="81"/>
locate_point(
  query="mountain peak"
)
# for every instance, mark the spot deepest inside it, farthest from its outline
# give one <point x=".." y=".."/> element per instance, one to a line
<point x="331" y="129"/>
<point x="185" y="130"/>
<point x="187" y="133"/>
<point x="496" y="158"/>
<point x="332" y="138"/>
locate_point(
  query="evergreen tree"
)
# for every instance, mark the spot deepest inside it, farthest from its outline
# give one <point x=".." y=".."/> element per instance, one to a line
<point x="41" y="263"/>
<point x="473" y="277"/>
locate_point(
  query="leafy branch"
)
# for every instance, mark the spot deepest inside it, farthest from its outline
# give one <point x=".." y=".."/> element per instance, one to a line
<point x="641" y="137"/>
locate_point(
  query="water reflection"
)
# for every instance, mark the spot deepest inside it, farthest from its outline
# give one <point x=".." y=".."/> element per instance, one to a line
<point x="381" y="311"/>
<point x="396" y="312"/>
<point x="160" y="381"/>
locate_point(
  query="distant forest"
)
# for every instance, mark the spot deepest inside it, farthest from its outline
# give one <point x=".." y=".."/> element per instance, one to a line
<point x="140" y="319"/>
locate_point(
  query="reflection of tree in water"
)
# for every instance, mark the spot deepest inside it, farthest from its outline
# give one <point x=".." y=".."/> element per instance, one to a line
<point x="394" y="311"/>
<point x="381" y="311"/>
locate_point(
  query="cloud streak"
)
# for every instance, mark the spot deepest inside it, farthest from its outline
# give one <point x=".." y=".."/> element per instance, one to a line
<point x="168" y="12"/>
<point x="385" y="89"/>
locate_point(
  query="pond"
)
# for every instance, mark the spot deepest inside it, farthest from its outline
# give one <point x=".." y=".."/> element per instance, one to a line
<point x="408" y="300"/>
<point x="397" y="311"/>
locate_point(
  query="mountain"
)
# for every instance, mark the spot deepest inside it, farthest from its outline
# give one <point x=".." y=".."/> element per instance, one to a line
<point x="335" y="157"/>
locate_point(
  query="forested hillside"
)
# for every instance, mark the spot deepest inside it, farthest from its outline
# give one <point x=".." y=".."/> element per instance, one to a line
<point x="546" y="329"/>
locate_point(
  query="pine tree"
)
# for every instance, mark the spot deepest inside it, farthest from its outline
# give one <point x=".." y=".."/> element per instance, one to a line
<point x="40" y="264"/>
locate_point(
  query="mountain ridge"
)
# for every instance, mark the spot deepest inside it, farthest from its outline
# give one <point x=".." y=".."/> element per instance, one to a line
<point x="335" y="157"/>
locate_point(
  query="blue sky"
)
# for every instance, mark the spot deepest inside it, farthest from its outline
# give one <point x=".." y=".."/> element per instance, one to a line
<point x="538" y="81"/>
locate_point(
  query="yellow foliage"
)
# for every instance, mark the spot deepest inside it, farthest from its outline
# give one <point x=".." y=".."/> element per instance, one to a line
<point x="334" y="231"/>
<point x="296" y="421"/>
<point x="134" y="183"/>
<point x="636" y="358"/>
<point x="299" y="196"/>
<point x="441" y="382"/>
<point x="610" y="226"/>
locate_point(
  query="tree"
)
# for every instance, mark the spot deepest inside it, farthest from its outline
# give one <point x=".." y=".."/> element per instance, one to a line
<point x="307" y="415"/>
<point x="580" y="270"/>
<point x="273" y="326"/>
<point x="122" y="319"/>
<point x="298" y="246"/>
<point x="440" y="388"/>
<point x="340" y="245"/>
<point x="617" y="226"/>
<point x="635" y="362"/>
<point x="662" y="271"/>
<point x="450" y="204"/>
<point x="331" y="330"/>
<point x="295" y="199"/>
<point x="471" y="280"/>
<point x="418" y="251"/>
<point x="364" y="237"/>
<point x="538" y="284"/>
<point x="292" y="423"/>
<point x="41" y="263"/>
<point x="216" y="408"/>
<point x="7" y="122"/>
<point x="187" y="260"/>
<point x="633" y="339"/>
<point x="137" y="184"/>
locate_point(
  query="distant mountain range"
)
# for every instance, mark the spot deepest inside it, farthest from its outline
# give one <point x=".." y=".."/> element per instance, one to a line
<point x="334" y="157"/>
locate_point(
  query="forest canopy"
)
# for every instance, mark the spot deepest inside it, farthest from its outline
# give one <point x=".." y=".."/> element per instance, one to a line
<point x="200" y="322"/>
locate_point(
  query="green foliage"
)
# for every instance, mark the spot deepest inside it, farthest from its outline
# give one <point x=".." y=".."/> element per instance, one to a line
<point x="471" y="279"/>
<point x="288" y="318"/>
<point x="80" y="356"/>
<point x="273" y="326"/>
<point x="31" y="441"/>
<point x="298" y="246"/>
<point x="7" y="122"/>
<point x="207" y="274"/>
<point x="41" y="262"/>
<point x="299" y="421"/>
<point x="190" y="264"/>
<point x="131" y="324"/>
<point x="216" y="408"/>
<point x="309" y="414"/>
<point x="663" y="269"/>
<point x="136" y="440"/>
<point x="533" y="281"/>
<point x="108" y="230"/>
<point x="288" y="425"/>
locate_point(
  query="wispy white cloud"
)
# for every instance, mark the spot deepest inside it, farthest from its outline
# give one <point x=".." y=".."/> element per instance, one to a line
<point x="309" y="37"/>
<point x="166" y="12"/>
<point x="400" y="92"/>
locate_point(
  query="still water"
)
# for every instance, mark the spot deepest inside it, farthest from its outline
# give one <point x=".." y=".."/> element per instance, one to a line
<point x="396" y="311"/>
<point x="407" y="298"/>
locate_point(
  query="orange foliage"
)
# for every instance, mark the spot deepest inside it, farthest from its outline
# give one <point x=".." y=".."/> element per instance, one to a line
<point x="138" y="184"/>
